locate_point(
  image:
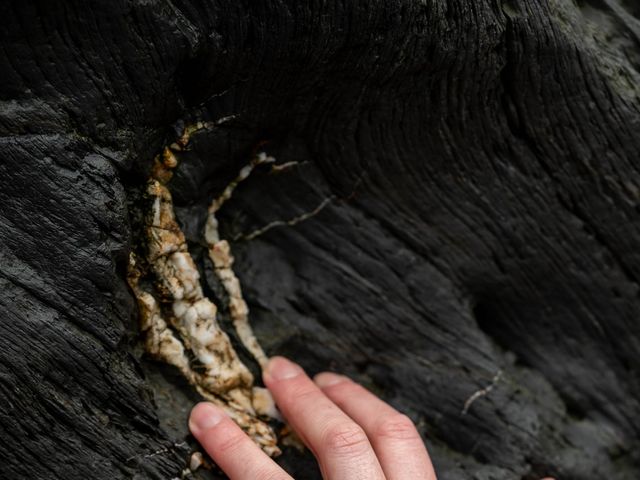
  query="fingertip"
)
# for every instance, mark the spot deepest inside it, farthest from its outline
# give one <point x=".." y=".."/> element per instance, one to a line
<point x="327" y="379"/>
<point x="203" y="417"/>
<point x="280" y="368"/>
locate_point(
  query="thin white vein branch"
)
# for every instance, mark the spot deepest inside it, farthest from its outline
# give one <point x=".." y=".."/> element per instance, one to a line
<point x="222" y="259"/>
<point x="284" y="223"/>
<point x="244" y="173"/>
<point x="481" y="393"/>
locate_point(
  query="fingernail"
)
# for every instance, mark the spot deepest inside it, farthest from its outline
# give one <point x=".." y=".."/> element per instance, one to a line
<point x="279" y="368"/>
<point x="326" y="379"/>
<point x="203" y="417"/>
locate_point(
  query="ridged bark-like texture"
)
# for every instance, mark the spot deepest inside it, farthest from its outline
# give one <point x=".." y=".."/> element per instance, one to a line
<point x="481" y="158"/>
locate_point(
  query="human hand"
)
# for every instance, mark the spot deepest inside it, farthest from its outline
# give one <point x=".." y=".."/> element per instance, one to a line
<point x="352" y="433"/>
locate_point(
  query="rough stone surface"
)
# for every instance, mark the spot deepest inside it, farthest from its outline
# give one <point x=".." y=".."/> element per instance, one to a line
<point x="483" y="159"/>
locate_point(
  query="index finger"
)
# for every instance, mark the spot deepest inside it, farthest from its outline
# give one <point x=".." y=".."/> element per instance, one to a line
<point x="232" y="450"/>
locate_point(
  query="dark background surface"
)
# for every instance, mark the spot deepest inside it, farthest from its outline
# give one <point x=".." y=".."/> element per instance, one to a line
<point x="482" y="158"/>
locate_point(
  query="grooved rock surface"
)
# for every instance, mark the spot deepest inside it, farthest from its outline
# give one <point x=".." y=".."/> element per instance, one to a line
<point x="476" y="168"/>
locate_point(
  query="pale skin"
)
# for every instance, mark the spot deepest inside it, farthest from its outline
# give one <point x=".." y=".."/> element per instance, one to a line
<point x="352" y="433"/>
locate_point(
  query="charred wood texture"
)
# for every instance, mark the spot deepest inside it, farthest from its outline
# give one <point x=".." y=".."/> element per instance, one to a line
<point x="475" y="261"/>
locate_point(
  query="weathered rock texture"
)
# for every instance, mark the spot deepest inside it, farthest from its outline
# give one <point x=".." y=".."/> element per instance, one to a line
<point x="482" y="161"/>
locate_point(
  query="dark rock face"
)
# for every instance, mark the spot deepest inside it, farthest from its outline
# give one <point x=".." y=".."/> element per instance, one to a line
<point x="478" y="167"/>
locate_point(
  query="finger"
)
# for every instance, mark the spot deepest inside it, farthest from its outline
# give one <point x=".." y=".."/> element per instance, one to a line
<point x="339" y="444"/>
<point x="232" y="450"/>
<point x="393" y="436"/>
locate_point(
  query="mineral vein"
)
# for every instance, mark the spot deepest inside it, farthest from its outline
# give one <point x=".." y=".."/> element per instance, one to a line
<point x="179" y="322"/>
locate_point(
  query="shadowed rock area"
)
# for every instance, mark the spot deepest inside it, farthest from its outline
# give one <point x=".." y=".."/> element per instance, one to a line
<point x="463" y="213"/>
